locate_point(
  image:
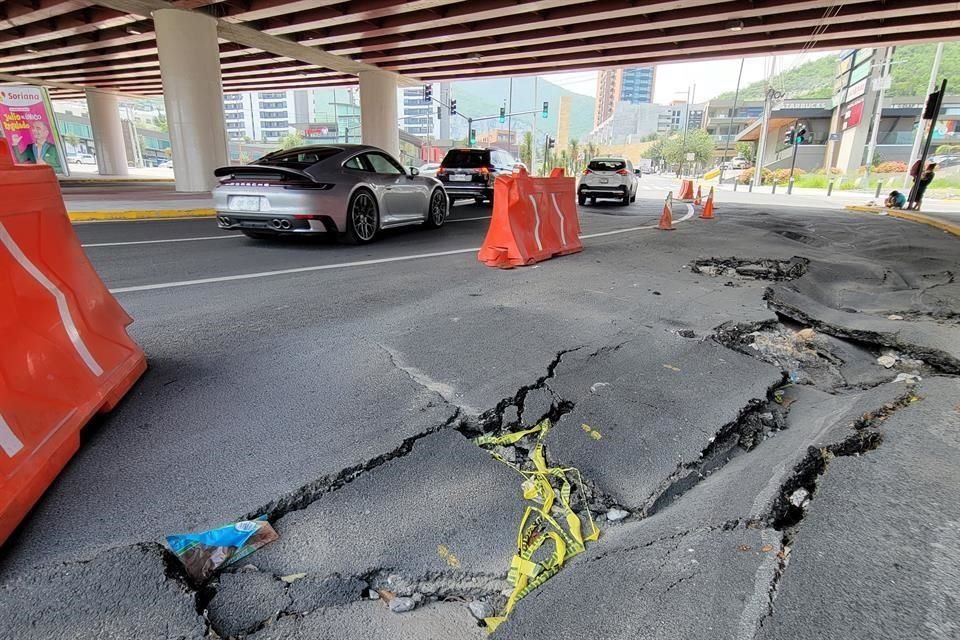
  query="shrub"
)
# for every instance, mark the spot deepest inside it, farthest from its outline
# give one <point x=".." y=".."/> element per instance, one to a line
<point x="782" y="176"/>
<point x="833" y="171"/>
<point x="891" y="166"/>
<point x="947" y="149"/>
<point x="746" y="176"/>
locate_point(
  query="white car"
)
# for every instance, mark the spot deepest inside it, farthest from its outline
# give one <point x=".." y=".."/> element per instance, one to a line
<point x="85" y="158"/>
<point x="429" y="170"/>
<point x="608" y="177"/>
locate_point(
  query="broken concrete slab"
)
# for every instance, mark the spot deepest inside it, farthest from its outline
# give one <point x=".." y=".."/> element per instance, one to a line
<point x="128" y="592"/>
<point x="365" y="620"/>
<point x="314" y="592"/>
<point x="853" y="298"/>
<point x="244" y="601"/>
<point x="700" y="585"/>
<point x="668" y="399"/>
<point x="886" y="525"/>
<point x="445" y="509"/>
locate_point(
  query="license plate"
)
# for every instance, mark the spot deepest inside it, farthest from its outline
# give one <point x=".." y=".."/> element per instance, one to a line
<point x="456" y="177"/>
<point x="604" y="181"/>
<point x="244" y="203"/>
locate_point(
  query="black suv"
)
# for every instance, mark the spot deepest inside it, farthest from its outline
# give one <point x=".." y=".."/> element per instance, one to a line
<point x="470" y="173"/>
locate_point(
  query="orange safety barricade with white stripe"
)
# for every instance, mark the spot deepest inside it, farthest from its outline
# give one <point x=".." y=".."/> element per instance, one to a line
<point x="533" y="219"/>
<point x="66" y="353"/>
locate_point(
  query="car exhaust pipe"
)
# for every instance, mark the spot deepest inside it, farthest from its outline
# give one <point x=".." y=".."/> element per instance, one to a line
<point x="284" y="224"/>
<point x="275" y="223"/>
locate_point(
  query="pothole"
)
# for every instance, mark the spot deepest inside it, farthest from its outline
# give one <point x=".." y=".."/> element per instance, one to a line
<point x="752" y="269"/>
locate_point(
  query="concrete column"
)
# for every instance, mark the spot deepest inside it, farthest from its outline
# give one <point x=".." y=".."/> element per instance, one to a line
<point x="104" y="109"/>
<point x="378" y="111"/>
<point x="193" y="95"/>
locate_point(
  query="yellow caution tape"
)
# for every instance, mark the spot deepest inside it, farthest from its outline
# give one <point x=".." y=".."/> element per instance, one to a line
<point x="538" y="526"/>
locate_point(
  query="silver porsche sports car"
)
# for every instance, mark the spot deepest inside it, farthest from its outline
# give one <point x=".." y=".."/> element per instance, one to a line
<point x="350" y="189"/>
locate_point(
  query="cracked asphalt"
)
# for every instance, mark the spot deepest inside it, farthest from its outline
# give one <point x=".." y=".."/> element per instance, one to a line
<point x="778" y="483"/>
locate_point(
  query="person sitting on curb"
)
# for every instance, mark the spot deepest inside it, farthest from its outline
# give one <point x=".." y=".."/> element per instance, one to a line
<point x="895" y="200"/>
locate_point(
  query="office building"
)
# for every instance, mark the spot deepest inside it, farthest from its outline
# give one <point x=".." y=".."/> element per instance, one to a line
<point x="633" y="86"/>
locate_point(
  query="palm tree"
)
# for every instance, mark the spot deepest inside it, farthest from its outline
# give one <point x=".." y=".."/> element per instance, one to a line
<point x="526" y="146"/>
<point x="574" y="147"/>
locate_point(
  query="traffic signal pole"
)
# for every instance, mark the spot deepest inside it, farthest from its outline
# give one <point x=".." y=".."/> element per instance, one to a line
<point x="934" y="113"/>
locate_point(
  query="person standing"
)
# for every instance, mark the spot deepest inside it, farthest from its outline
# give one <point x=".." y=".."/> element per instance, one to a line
<point x="924" y="181"/>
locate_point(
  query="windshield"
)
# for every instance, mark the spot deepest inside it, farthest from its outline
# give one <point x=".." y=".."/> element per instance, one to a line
<point x="467" y="158"/>
<point x="606" y="165"/>
<point x="297" y="158"/>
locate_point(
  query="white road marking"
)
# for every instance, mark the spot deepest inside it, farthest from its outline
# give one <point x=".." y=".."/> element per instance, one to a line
<point x="344" y="265"/>
<point x="126" y="244"/>
<point x="142" y="220"/>
<point x="536" y="222"/>
<point x="66" y="319"/>
<point x="9" y="441"/>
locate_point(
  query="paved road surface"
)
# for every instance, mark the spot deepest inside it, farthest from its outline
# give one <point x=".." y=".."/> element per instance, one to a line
<point x="331" y="387"/>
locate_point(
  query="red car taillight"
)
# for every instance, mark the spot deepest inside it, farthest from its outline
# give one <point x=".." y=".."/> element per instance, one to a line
<point x="623" y="172"/>
<point x="485" y="171"/>
<point x="587" y="172"/>
<point x="440" y="171"/>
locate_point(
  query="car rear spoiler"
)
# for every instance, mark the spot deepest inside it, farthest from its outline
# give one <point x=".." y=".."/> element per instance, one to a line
<point x="262" y="172"/>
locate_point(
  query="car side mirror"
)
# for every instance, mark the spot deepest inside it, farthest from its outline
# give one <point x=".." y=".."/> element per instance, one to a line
<point x="414" y="172"/>
<point x="636" y="171"/>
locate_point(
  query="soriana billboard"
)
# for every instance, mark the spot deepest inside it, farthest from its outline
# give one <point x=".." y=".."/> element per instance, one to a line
<point x="27" y="122"/>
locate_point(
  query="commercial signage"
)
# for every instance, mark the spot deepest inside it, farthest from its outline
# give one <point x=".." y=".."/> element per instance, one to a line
<point x="28" y="124"/>
<point x="853" y="115"/>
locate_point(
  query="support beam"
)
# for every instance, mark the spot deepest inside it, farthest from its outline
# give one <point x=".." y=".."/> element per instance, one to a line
<point x="193" y="95"/>
<point x="107" y="128"/>
<point x="378" y="111"/>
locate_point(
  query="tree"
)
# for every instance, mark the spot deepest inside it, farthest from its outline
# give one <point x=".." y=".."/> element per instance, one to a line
<point x="526" y="147"/>
<point x="291" y="140"/>
<point x="573" y="148"/>
<point x="747" y="150"/>
<point x="698" y="142"/>
<point x="72" y="140"/>
<point x="160" y="122"/>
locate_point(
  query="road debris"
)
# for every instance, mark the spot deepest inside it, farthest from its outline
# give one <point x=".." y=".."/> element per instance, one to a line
<point x="887" y="360"/>
<point x="616" y="515"/>
<point x="757" y="269"/>
<point x="402" y="604"/>
<point x="894" y="316"/>
<point x="203" y="554"/>
<point x="909" y="378"/>
<point x="596" y="386"/>
<point x="481" y="610"/>
<point x="800" y="498"/>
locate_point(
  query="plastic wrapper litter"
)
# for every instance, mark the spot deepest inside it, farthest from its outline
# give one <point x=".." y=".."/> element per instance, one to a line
<point x="203" y="554"/>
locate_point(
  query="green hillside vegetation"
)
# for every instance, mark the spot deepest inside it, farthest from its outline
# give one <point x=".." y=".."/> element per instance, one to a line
<point x="910" y="70"/>
<point x="477" y="98"/>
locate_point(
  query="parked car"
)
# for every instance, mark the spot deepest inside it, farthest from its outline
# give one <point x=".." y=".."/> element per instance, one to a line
<point x="350" y="189"/>
<point x="166" y="164"/>
<point x="82" y="158"/>
<point x="470" y="173"/>
<point x="737" y="162"/>
<point x="608" y="178"/>
<point x="429" y="170"/>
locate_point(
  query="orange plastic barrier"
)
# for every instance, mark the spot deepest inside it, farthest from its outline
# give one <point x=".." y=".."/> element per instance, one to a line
<point x="66" y="354"/>
<point x="533" y="220"/>
<point x="686" y="190"/>
<point x="666" y="217"/>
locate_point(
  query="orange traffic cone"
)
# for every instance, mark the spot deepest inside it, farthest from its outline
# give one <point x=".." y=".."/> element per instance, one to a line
<point x="666" y="218"/>
<point x="699" y="199"/>
<point x="707" y="213"/>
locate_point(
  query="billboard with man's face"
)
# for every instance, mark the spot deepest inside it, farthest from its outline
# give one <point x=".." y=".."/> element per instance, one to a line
<point x="27" y="123"/>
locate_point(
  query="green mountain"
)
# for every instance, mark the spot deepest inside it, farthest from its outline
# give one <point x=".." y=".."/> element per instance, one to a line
<point x="478" y="98"/>
<point x="910" y="69"/>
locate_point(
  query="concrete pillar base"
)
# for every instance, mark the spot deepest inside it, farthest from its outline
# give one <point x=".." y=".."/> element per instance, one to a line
<point x="104" y="109"/>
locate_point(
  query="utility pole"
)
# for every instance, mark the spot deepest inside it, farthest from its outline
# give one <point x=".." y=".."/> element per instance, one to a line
<point x="878" y="112"/>
<point x="733" y="114"/>
<point x="533" y="144"/>
<point x="918" y="138"/>
<point x="765" y="121"/>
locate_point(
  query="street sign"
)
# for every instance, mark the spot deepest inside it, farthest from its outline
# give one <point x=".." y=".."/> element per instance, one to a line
<point x="691" y="157"/>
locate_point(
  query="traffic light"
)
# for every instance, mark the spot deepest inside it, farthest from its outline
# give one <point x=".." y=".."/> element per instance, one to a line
<point x="427" y="92"/>
<point x="788" y="136"/>
<point x="473" y="136"/>
<point x="546" y="107"/>
<point x="503" y="115"/>
<point x="800" y="134"/>
<point x="551" y="143"/>
<point x="453" y="107"/>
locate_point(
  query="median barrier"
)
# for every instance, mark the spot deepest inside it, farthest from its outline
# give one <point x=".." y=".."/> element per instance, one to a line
<point x="66" y="354"/>
<point x="533" y="219"/>
<point x="686" y="191"/>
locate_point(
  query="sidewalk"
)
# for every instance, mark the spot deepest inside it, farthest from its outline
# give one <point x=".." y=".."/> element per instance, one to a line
<point x="112" y="200"/>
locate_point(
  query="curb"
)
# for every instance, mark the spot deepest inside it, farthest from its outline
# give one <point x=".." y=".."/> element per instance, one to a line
<point x="949" y="227"/>
<point x="139" y="214"/>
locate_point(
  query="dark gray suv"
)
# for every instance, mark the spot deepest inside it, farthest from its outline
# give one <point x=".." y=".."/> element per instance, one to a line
<point x="470" y="173"/>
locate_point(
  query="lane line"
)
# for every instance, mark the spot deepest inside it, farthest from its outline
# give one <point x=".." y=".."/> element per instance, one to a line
<point x="125" y="244"/>
<point x="66" y="318"/>
<point x="346" y="265"/>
